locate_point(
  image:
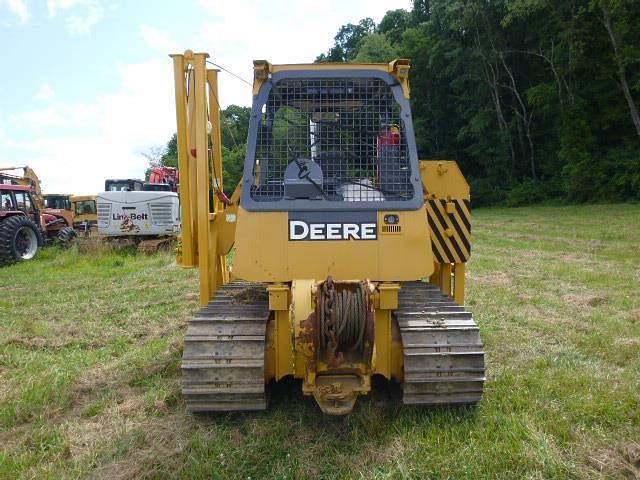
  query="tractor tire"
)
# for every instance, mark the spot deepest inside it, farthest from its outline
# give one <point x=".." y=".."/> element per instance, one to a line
<point x="20" y="239"/>
<point x="66" y="236"/>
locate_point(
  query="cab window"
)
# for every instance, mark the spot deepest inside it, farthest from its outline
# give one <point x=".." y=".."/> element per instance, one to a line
<point x="123" y="185"/>
<point x="23" y="202"/>
<point x="5" y="201"/>
<point x="57" y="202"/>
<point x="86" y="207"/>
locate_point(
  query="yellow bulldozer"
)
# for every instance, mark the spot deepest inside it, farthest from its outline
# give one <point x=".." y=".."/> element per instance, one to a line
<point x="348" y="252"/>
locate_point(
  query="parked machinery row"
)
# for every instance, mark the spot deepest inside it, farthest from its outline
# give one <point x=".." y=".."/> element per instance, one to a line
<point x="129" y="211"/>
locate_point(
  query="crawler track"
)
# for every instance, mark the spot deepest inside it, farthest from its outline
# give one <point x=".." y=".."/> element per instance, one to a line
<point x="443" y="352"/>
<point x="155" y="244"/>
<point x="223" y="359"/>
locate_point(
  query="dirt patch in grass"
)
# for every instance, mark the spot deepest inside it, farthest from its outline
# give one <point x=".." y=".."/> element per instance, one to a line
<point x="634" y="315"/>
<point x="86" y="434"/>
<point x="191" y="296"/>
<point x="97" y="244"/>
<point x="153" y="448"/>
<point x="627" y="342"/>
<point x="96" y="380"/>
<point x="107" y="407"/>
<point x="110" y="378"/>
<point x="58" y="343"/>
<point x="494" y="279"/>
<point x="620" y="462"/>
<point x="584" y="299"/>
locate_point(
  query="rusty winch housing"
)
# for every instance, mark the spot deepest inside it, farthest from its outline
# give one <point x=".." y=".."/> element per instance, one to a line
<point x="345" y="321"/>
<point x="341" y="330"/>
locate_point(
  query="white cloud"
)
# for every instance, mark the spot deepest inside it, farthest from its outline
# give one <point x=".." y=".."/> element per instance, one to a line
<point x="158" y="40"/>
<point x="281" y="31"/>
<point x="80" y="144"/>
<point x="76" y="117"/>
<point x="55" y="5"/>
<point x="45" y="92"/>
<point x="82" y="16"/>
<point x="18" y="8"/>
<point x="40" y="119"/>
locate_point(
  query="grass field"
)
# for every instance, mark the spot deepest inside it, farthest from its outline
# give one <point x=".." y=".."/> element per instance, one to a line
<point x="90" y="347"/>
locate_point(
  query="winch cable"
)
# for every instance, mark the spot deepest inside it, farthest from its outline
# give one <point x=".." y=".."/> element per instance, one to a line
<point x="230" y="72"/>
<point x="343" y="317"/>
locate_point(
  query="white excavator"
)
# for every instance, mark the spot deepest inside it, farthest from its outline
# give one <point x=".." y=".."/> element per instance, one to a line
<point x="131" y="211"/>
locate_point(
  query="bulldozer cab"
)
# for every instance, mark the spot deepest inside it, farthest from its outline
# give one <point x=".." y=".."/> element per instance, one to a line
<point x="331" y="159"/>
<point x="331" y="139"/>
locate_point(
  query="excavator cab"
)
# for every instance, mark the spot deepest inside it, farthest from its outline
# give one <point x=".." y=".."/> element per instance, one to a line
<point x="123" y="185"/>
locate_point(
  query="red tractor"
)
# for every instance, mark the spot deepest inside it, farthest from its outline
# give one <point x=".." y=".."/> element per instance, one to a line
<point x="21" y="224"/>
<point x="54" y="214"/>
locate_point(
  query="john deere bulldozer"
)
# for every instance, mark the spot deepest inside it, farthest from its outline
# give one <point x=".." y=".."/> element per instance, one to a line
<point x="349" y="252"/>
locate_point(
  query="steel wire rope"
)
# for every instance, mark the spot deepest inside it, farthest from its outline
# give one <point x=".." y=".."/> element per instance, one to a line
<point x="343" y="317"/>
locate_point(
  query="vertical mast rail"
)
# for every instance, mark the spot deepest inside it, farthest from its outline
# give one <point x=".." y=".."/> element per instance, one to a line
<point x="199" y="122"/>
<point x="187" y="258"/>
<point x="221" y="274"/>
<point x="216" y="136"/>
<point x="200" y="164"/>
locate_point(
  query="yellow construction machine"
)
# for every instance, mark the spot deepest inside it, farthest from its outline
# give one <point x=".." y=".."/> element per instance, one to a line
<point x="348" y="251"/>
<point x="85" y="214"/>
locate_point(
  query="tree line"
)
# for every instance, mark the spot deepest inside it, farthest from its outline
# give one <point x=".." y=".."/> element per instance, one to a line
<point x="535" y="99"/>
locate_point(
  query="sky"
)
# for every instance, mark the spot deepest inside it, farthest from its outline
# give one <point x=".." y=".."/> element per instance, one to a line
<point x="86" y="87"/>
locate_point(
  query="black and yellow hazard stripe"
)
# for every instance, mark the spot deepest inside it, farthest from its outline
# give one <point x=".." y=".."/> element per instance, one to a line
<point x="450" y="231"/>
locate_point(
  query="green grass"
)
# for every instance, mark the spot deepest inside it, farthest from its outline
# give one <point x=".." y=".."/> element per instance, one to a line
<point x="90" y="347"/>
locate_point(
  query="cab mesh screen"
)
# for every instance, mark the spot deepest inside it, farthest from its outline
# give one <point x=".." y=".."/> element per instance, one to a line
<point x="350" y="127"/>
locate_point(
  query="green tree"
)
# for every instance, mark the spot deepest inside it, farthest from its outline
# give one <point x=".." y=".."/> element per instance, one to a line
<point x="375" y="48"/>
<point x="235" y="125"/>
<point x="347" y="41"/>
<point x="232" y="166"/>
<point x="394" y="24"/>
